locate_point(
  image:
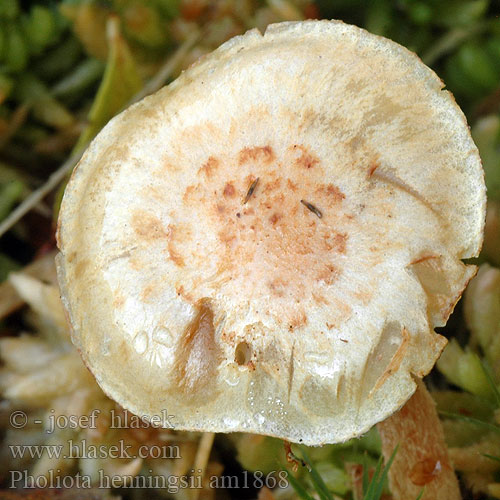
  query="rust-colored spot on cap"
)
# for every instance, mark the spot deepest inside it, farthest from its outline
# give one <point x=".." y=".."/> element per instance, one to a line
<point x="306" y="159"/>
<point x="275" y="218"/>
<point x="209" y="166"/>
<point x="229" y="190"/>
<point x="147" y="226"/>
<point x="328" y="274"/>
<point x="265" y="154"/>
<point x="340" y="242"/>
<point x="298" y="319"/>
<point x="278" y="287"/>
<point x="337" y="242"/>
<point x="174" y="239"/>
<point x="148" y="291"/>
<point x="332" y="192"/>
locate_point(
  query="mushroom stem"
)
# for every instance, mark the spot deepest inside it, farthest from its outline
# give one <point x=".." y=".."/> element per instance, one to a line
<point x="422" y="460"/>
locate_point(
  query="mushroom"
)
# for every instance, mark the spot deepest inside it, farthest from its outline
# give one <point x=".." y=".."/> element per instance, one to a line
<point x="267" y="244"/>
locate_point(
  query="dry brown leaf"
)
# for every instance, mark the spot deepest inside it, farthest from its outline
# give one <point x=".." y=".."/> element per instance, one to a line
<point x="42" y="268"/>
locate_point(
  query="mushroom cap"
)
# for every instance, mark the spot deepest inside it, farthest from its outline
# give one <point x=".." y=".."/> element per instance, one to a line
<point x="267" y="244"/>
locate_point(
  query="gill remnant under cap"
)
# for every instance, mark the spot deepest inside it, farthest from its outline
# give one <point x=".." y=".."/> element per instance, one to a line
<point x="250" y="312"/>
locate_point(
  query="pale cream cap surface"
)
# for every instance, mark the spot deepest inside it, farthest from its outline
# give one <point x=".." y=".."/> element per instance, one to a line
<point x="261" y="314"/>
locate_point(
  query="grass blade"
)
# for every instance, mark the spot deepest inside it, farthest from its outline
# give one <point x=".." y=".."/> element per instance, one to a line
<point x="493" y="386"/>
<point x="491" y="457"/>
<point x="316" y="479"/>
<point x="370" y="492"/>
<point x="381" y="481"/>
<point x="366" y="479"/>
<point x="299" y="489"/>
<point x="472" y="420"/>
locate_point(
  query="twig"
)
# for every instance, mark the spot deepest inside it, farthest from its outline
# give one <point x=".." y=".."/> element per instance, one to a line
<point x="36" y="196"/>
<point x="166" y="71"/>
<point x="450" y="41"/>
<point x="201" y="458"/>
<point x="58" y="176"/>
<point x="17" y="120"/>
